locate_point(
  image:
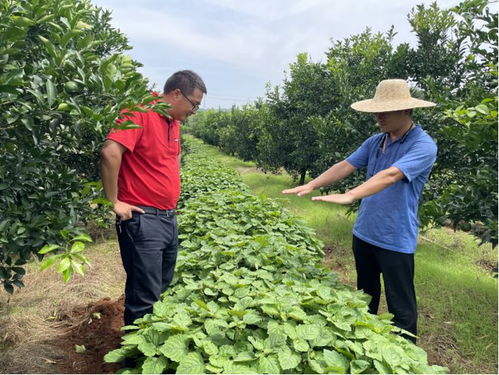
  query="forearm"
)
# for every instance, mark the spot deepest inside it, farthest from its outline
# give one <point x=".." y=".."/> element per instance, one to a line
<point x="336" y="173"/>
<point x="110" y="166"/>
<point x="376" y="183"/>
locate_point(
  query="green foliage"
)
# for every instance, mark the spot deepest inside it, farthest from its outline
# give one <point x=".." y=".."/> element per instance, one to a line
<point x="236" y="132"/>
<point x="250" y="296"/>
<point x="63" y="82"/>
<point x="463" y="188"/>
<point x="306" y="125"/>
<point x="71" y="260"/>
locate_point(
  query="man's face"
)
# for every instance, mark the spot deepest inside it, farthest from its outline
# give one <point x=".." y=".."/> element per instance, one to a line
<point x="185" y="104"/>
<point x="391" y="121"/>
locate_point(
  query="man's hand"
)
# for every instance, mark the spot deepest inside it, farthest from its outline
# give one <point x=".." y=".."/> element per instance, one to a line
<point x="299" y="190"/>
<point x="124" y="210"/>
<point x="336" y="198"/>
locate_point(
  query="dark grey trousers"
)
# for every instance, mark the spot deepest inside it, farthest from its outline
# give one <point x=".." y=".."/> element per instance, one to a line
<point x="148" y="246"/>
<point x="398" y="277"/>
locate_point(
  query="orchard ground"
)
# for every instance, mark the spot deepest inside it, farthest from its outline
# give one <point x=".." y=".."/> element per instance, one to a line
<point x="51" y="327"/>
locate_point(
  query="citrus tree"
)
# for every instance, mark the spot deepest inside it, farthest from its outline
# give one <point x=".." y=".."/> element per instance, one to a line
<point x="63" y="80"/>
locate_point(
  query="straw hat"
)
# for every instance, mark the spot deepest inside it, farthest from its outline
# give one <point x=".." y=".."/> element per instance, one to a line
<point x="391" y="95"/>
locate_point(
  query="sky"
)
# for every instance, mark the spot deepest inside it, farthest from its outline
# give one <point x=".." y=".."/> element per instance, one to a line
<point x="240" y="46"/>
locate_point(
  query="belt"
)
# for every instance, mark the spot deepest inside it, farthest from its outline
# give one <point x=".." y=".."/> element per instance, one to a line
<point x="157" y="211"/>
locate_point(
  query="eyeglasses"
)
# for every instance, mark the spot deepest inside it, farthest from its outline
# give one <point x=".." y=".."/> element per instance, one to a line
<point x="195" y="106"/>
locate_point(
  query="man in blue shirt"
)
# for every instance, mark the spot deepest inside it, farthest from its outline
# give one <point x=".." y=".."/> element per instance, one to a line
<point x="398" y="162"/>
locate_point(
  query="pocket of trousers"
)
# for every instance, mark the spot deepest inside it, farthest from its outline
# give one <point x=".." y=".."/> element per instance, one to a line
<point x="133" y="225"/>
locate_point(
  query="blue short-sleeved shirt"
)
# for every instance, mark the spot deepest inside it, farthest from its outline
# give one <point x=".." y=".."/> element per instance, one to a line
<point x="389" y="218"/>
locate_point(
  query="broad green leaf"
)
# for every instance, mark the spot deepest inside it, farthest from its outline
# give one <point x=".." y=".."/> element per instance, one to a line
<point x="288" y="359"/>
<point x="342" y="325"/>
<point x="182" y="320"/>
<point x="83" y="237"/>
<point x="115" y="356"/>
<point x="64" y="264"/>
<point x="268" y="365"/>
<point x="270" y="310"/>
<point x="46" y="263"/>
<point x="257" y="343"/>
<point x="357" y="366"/>
<point x="210" y="348"/>
<point x="148" y="348"/>
<point x="335" y="361"/>
<point x="275" y="340"/>
<point x="244" y="357"/>
<point x="382" y="367"/>
<point x="77" y="267"/>
<point x="300" y="345"/>
<point x="252" y="317"/>
<point x="297" y="314"/>
<point x="308" y="331"/>
<point x="77" y="247"/>
<point x="482" y="108"/>
<point x="133" y="339"/>
<point x="161" y="308"/>
<point x="213" y="326"/>
<point x="213" y="369"/>
<point x="238" y="368"/>
<point x="175" y="347"/>
<point x="393" y="355"/>
<point x="290" y="330"/>
<point x="154" y="365"/>
<point x="192" y="363"/>
<point x="162" y="326"/>
<point x="48" y="248"/>
<point x="209" y="292"/>
<point x="201" y="304"/>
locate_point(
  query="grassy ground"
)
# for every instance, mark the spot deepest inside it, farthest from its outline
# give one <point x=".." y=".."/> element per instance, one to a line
<point x="32" y="319"/>
<point x="457" y="293"/>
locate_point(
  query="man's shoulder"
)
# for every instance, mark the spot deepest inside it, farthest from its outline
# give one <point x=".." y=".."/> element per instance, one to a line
<point x="422" y="142"/>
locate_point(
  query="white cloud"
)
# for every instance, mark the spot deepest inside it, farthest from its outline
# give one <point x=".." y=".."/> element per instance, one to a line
<point x="259" y="38"/>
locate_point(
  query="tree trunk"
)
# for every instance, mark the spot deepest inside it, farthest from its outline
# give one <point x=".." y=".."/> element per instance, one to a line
<point x="302" y="177"/>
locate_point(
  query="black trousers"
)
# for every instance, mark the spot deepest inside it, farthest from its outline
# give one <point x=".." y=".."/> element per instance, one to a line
<point x="398" y="277"/>
<point x="148" y="246"/>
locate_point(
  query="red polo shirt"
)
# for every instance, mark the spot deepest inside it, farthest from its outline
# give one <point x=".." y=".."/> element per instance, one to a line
<point x="149" y="174"/>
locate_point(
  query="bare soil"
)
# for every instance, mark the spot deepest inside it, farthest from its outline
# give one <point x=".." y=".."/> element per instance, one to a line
<point x="96" y="327"/>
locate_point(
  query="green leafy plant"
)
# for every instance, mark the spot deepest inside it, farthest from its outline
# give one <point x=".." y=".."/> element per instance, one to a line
<point x="250" y="295"/>
<point x="71" y="259"/>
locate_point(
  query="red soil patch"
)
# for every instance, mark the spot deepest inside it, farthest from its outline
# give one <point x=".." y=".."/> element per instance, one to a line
<point x="97" y="327"/>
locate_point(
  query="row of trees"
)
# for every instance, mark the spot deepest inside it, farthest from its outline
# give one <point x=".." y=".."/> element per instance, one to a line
<point x="63" y="80"/>
<point x="306" y="124"/>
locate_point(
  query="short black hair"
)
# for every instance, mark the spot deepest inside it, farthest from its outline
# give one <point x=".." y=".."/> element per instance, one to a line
<point x="186" y="81"/>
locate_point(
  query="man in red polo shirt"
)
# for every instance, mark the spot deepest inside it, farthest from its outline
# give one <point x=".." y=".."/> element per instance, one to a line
<point x="141" y="177"/>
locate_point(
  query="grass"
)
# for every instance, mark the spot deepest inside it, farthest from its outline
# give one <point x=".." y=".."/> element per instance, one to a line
<point x="455" y="284"/>
<point x="32" y="316"/>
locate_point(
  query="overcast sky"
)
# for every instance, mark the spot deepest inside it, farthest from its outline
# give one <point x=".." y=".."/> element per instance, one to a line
<point x="238" y="46"/>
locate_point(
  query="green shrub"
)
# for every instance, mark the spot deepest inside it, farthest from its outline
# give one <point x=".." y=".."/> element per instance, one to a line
<point x="63" y="82"/>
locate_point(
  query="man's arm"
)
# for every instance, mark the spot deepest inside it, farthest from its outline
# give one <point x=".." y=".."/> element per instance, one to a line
<point x="111" y="155"/>
<point x="336" y="173"/>
<point x="375" y="184"/>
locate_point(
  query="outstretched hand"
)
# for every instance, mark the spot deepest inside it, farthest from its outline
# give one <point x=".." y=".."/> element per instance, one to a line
<point x="299" y="190"/>
<point x="336" y="198"/>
